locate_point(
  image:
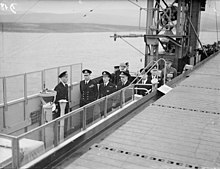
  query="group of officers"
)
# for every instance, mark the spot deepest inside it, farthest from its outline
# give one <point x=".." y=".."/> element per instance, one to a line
<point x="91" y="90"/>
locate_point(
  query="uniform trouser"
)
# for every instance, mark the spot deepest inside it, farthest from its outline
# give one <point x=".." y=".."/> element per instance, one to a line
<point x="89" y="111"/>
<point x="66" y="121"/>
<point x="109" y="106"/>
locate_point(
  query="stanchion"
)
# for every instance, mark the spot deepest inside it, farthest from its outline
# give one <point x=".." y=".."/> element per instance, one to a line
<point x="47" y="98"/>
<point x="154" y="83"/>
<point x="47" y="117"/>
<point x="62" y="112"/>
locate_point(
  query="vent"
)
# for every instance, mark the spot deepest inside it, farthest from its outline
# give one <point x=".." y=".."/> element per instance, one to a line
<point x="209" y="88"/>
<point x="186" y="109"/>
<point x="35" y="117"/>
<point x="145" y="156"/>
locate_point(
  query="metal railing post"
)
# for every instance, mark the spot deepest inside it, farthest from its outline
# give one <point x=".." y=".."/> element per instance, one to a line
<point x="25" y="98"/>
<point x="56" y="133"/>
<point x="132" y="93"/>
<point x="71" y="82"/>
<point x="25" y="88"/>
<point x="165" y="71"/>
<point x="121" y="99"/>
<point x="84" y="118"/>
<point x="105" y="106"/>
<point x="5" y="94"/>
<point x="15" y="153"/>
<point x="5" y="108"/>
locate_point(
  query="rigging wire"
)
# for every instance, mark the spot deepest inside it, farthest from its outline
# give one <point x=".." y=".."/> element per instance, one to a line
<point x="41" y="37"/>
<point x="25" y="13"/>
<point x="132" y="46"/>
<point x="137" y="5"/>
<point x="16" y="21"/>
<point x="140" y="10"/>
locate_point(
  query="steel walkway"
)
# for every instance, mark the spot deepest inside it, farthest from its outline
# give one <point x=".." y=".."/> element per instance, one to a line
<point x="180" y="130"/>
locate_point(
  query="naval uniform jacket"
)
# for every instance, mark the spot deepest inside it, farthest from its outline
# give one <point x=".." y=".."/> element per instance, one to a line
<point x="116" y="77"/>
<point x="121" y="85"/>
<point x="169" y="71"/>
<point x="117" y="98"/>
<point x="62" y="93"/>
<point x="89" y="92"/>
<point x="106" y="90"/>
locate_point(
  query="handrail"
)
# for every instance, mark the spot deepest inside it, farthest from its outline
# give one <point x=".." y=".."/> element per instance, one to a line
<point x="74" y="112"/>
<point x="41" y="75"/>
<point x="7" y="136"/>
<point x="155" y="64"/>
<point x="15" y="139"/>
<point x="141" y="72"/>
<point x="141" y="88"/>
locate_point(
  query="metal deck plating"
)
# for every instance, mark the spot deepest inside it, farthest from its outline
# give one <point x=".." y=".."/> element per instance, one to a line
<point x="180" y="130"/>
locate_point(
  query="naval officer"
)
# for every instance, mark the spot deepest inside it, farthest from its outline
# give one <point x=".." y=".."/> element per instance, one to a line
<point x="170" y="72"/>
<point x="145" y="81"/>
<point x="88" y="89"/>
<point x="115" y="75"/>
<point x="62" y="93"/>
<point x="124" y="80"/>
<point x="106" y="87"/>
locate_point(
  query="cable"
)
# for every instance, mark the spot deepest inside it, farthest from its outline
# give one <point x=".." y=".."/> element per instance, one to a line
<point x="137" y="5"/>
<point x="133" y="46"/>
<point x="41" y="37"/>
<point x="27" y="11"/>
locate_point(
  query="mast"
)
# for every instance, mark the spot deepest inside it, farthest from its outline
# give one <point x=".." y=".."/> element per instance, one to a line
<point x="149" y="45"/>
<point x="175" y="27"/>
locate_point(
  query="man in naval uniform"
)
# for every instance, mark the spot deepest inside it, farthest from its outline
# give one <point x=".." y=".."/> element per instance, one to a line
<point x="116" y="75"/>
<point x="123" y="83"/>
<point x="124" y="80"/>
<point x="170" y="71"/>
<point x="88" y="89"/>
<point x="146" y="81"/>
<point x="124" y="68"/>
<point x="62" y="93"/>
<point x="105" y="89"/>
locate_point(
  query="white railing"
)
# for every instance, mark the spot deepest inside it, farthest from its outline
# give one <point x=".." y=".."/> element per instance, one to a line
<point x="152" y="64"/>
<point x="83" y="117"/>
<point x="20" y="89"/>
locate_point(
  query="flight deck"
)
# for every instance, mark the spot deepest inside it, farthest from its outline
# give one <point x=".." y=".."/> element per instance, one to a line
<point x="180" y="130"/>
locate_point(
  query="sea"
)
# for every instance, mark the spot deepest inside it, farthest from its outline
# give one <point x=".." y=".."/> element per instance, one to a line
<point x="25" y="47"/>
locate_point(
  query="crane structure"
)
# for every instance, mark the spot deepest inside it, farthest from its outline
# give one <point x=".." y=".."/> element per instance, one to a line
<point x="175" y="26"/>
